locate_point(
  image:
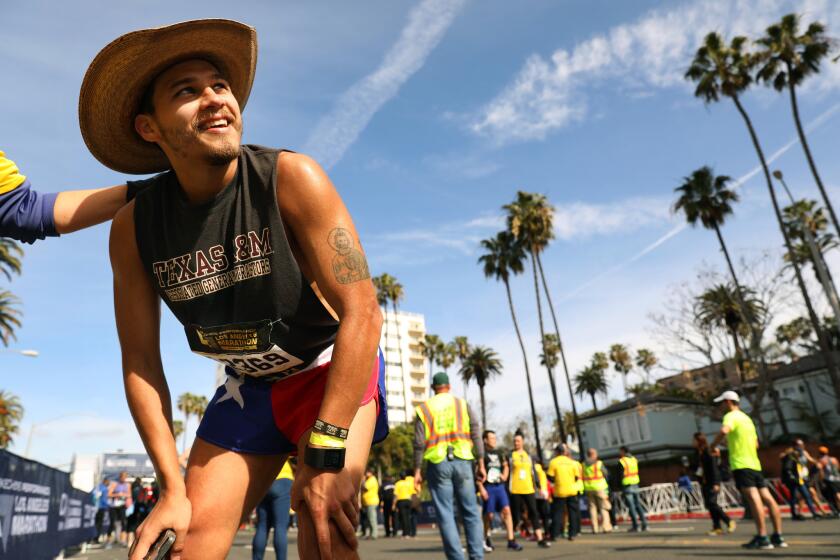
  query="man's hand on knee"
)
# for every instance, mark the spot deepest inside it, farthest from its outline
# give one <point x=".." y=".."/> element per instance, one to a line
<point x="328" y="496"/>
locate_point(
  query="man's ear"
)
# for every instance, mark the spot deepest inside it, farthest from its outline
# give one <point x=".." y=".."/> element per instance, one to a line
<point x="146" y="128"/>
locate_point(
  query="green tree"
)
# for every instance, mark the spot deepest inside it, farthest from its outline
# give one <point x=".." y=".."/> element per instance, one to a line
<point x="396" y="453"/>
<point x="622" y="363"/>
<point x="786" y="59"/>
<point x="726" y="70"/>
<point x="794" y="337"/>
<point x="503" y="257"/>
<point x="186" y="404"/>
<point x="646" y="360"/>
<point x="591" y="380"/>
<point x="530" y="219"/>
<point x="11" y="413"/>
<point x="481" y="365"/>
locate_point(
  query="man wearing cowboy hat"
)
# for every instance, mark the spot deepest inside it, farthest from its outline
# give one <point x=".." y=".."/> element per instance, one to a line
<point x="254" y="252"/>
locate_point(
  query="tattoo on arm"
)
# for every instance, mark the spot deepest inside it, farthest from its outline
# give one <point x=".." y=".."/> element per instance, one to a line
<point x="348" y="264"/>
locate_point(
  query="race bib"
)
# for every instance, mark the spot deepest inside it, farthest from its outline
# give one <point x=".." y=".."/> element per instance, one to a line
<point x="244" y="347"/>
<point x="494" y="475"/>
<point x="522" y="475"/>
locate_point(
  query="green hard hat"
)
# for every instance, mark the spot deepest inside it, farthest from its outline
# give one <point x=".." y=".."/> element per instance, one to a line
<point x="440" y="378"/>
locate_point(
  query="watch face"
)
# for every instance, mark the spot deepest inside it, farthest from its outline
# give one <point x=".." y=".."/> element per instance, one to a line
<point x="334" y="459"/>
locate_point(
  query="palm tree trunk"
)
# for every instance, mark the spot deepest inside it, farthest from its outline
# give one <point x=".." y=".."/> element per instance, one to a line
<point x="542" y="343"/>
<point x="594" y="405"/>
<point x="562" y="355"/>
<point x="483" y="408"/>
<point x="527" y="370"/>
<point x="832" y="367"/>
<point x="803" y="140"/>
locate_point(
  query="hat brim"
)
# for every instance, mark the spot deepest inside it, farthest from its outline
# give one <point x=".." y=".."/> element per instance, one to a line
<point x="115" y="81"/>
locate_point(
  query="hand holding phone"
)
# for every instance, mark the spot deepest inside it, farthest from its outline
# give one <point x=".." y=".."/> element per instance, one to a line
<point x="160" y="550"/>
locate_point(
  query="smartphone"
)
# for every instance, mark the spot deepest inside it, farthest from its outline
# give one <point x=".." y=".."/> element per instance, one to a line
<point x="160" y="550"/>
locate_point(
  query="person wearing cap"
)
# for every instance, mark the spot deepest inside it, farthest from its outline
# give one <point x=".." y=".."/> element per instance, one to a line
<point x="448" y="438"/>
<point x="829" y="475"/>
<point x="254" y="252"/>
<point x="742" y="441"/>
<point x="567" y="474"/>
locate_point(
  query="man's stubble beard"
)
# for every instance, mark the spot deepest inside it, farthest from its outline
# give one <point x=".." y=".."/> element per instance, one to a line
<point x="215" y="154"/>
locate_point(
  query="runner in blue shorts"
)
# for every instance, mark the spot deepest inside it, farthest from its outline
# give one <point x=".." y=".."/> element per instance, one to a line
<point x="253" y="251"/>
<point x="494" y="491"/>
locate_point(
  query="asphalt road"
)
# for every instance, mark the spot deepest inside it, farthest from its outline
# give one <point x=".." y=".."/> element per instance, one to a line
<point x="684" y="539"/>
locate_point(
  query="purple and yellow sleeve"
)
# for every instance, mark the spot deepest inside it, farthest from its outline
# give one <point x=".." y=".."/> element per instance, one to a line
<point x="25" y="215"/>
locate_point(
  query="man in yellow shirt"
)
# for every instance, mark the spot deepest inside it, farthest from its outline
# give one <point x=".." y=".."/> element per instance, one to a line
<point x="403" y="490"/>
<point x="370" y="503"/>
<point x="566" y="474"/>
<point x="741" y="439"/>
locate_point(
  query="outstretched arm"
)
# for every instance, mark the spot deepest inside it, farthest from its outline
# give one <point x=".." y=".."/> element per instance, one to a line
<point x="28" y="215"/>
<point x="137" y="310"/>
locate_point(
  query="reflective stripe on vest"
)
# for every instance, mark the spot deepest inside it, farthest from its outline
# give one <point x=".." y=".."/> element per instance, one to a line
<point x="631" y="470"/>
<point x="447" y="424"/>
<point x="593" y="477"/>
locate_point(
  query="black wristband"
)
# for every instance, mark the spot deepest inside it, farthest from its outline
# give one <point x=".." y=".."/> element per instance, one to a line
<point x="324" y="459"/>
<point x="329" y="429"/>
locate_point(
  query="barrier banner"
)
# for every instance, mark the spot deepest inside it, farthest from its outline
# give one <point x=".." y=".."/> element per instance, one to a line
<point x="40" y="511"/>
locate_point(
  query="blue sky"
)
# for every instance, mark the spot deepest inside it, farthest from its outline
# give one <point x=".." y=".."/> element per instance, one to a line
<point x="429" y="115"/>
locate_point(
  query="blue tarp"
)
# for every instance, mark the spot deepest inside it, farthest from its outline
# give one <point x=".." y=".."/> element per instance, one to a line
<point x="40" y="511"/>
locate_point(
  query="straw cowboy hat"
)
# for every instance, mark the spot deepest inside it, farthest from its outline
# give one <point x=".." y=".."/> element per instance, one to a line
<point x="119" y="75"/>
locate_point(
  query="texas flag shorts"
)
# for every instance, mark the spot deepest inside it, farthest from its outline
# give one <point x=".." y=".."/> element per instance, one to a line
<point x="250" y="415"/>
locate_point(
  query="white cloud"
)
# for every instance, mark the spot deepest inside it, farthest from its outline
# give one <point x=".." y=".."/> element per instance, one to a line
<point x="581" y="220"/>
<point x="336" y="132"/>
<point x="653" y="52"/>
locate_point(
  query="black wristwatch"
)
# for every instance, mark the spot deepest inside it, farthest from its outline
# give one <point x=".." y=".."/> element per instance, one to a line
<point x="324" y="458"/>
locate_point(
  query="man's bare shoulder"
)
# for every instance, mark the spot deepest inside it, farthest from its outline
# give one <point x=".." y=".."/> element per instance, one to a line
<point x="122" y="227"/>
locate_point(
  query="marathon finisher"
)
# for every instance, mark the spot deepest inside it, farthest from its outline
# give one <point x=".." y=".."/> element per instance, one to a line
<point x="238" y="241"/>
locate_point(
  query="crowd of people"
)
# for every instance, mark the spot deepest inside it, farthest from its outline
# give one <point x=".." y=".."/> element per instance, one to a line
<point x="121" y="506"/>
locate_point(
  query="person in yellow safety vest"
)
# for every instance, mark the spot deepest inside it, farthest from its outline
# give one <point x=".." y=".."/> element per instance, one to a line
<point x="448" y="438"/>
<point x="403" y="490"/>
<point x="596" y="488"/>
<point x="630" y="489"/>
<point x="370" y="504"/>
<point x="567" y="475"/>
<point x="523" y="486"/>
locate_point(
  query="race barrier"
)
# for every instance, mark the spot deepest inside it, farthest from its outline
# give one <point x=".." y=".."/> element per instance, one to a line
<point x="41" y="513"/>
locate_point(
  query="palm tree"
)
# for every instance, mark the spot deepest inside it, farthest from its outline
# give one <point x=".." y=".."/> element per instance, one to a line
<point x="10" y="254"/>
<point x="447" y="356"/>
<point x="550" y="358"/>
<point x="431" y="346"/>
<point x="793" y="334"/>
<point x="186" y="406"/>
<point x="719" y="306"/>
<point x="462" y="347"/>
<point x="199" y="406"/>
<point x="9" y="317"/>
<point x="646" y="360"/>
<point x="787" y="58"/>
<point x="503" y="257"/>
<point x="396" y="294"/>
<point x="622" y="363"/>
<point x="725" y="70"/>
<point x="591" y="380"/>
<point x="177" y="429"/>
<point x="807" y="226"/>
<point x="11" y="413"/>
<point x="481" y="364"/>
<point x="530" y="220"/>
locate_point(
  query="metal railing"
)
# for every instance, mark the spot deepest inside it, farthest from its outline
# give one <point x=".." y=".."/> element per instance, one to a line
<point x="669" y="498"/>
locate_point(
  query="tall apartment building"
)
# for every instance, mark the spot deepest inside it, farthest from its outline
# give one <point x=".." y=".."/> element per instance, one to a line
<point x="406" y="369"/>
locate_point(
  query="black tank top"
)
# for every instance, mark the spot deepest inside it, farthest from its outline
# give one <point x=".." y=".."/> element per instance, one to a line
<point x="226" y="270"/>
